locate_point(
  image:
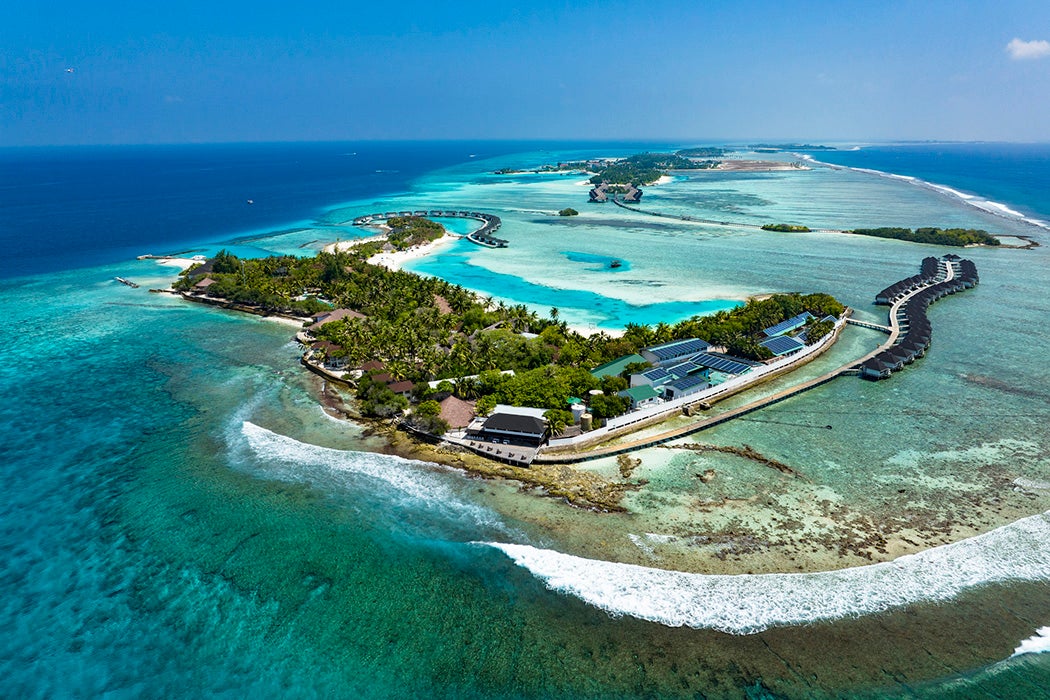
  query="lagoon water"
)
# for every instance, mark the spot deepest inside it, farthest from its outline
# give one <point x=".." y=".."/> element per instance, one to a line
<point x="181" y="518"/>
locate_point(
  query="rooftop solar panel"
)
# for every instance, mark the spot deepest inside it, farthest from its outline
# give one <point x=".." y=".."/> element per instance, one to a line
<point x="722" y="364"/>
<point x="687" y="382"/>
<point x="678" y="348"/>
<point x="789" y="324"/>
<point x="782" y="344"/>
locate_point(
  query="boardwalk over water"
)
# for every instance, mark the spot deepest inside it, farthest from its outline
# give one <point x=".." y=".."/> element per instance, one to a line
<point x="483" y="236"/>
<point x="947" y="273"/>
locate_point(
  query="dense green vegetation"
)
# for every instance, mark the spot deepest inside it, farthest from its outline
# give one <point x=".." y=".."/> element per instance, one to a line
<point x="789" y="147"/>
<point x="423" y="328"/>
<point x="644" y="168"/>
<point x="702" y="152"/>
<point x="937" y="236"/>
<point x="786" y="228"/>
<point x="568" y="211"/>
<point x="409" y="231"/>
<point x="738" y="329"/>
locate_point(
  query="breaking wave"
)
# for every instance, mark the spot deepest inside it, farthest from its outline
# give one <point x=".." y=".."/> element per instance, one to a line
<point x="411" y="483"/>
<point x="750" y="603"/>
<point x="1036" y="644"/>
<point x="985" y="205"/>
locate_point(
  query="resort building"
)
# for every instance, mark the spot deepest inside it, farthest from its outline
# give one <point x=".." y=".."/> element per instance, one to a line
<point x="781" y="345"/>
<point x="456" y="412"/>
<point x="675" y="351"/>
<point x="403" y="388"/>
<point x="510" y="425"/>
<point x="336" y="315"/>
<point x="334" y="357"/>
<point x="726" y="364"/>
<point x="615" y="368"/>
<point x="792" y="324"/>
<point x="641" y="396"/>
<point x="685" y="386"/>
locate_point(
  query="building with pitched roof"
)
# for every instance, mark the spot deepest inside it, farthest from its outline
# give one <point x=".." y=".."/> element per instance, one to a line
<point x="791" y="324"/>
<point x="335" y="315"/>
<point x="456" y="412"/>
<point x="781" y="345"/>
<point x="641" y="396"/>
<point x="614" y="368"/>
<point x="675" y="351"/>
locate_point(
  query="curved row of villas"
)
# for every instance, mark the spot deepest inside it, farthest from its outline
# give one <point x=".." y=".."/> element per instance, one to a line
<point x="483" y="236"/>
<point x="939" y="278"/>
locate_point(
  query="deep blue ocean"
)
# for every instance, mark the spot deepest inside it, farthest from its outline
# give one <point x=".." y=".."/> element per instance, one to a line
<point x="1011" y="174"/>
<point x="162" y="537"/>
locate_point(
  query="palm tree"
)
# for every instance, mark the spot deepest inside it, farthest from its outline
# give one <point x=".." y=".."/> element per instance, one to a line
<point x="556" y="424"/>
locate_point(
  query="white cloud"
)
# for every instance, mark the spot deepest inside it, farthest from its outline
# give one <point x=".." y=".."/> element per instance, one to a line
<point x="1020" y="50"/>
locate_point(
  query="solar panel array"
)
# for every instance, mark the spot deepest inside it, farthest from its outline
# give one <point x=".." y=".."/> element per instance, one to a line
<point x="685" y="368"/>
<point x="678" y="348"/>
<point x="656" y="374"/>
<point x="722" y="364"/>
<point x="687" y="382"/>
<point x="789" y="324"/>
<point x="782" y="344"/>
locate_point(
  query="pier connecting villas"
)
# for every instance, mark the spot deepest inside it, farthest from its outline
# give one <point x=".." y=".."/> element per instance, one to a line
<point x="490" y="223"/>
<point x="683" y="375"/>
<point x="677" y="377"/>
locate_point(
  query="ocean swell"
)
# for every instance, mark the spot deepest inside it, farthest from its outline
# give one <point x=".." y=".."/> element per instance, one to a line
<point x="747" y="604"/>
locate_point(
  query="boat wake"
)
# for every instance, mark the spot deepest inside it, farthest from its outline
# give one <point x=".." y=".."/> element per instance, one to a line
<point x="985" y="205"/>
<point x="750" y="603"/>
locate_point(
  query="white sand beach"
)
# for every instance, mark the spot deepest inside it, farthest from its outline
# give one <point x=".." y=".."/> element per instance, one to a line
<point x="397" y="259"/>
<point x="340" y="246"/>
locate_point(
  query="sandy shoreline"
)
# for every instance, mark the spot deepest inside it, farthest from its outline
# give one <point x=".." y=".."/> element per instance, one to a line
<point x="398" y="259"/>
<point x="342" y="246"/>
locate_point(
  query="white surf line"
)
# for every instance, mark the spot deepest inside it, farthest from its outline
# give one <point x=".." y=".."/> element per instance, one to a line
<point x="409" y="478"/>
<point x="750" y="603"/>
<point x="1036" y="644"/>
<point x="976" y="201"/>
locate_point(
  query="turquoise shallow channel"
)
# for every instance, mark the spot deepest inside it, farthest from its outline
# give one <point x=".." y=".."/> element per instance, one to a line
<point x="182" y="517"/>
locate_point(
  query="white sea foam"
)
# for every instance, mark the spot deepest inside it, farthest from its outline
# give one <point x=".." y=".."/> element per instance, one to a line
<point x="395" y="471"/>
<point x="410" y="479"/>
<point x="1036" y="644"/>
<point x="746" y="604"/>
<point x="985" y="205"/>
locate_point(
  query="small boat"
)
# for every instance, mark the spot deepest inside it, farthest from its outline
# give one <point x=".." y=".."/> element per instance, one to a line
<point x="251" y="201"/>
<point x="616" y="263"/>
<point x="127" y="282"/>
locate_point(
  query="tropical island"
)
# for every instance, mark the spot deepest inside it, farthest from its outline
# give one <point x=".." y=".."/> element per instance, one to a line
<point x="957" y="237"/>
<point x="431" y="357"/>
<point x="935" y="236"/>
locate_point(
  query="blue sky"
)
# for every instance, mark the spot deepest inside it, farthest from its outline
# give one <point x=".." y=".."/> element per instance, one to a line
<point x="230" y="70"/>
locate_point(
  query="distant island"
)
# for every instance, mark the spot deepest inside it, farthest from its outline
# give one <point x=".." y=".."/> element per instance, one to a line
<point x="937" y="236"/>
<point x="958" y="237"/>
<point x="786" y="228"/>
<point x="775" y="147"/>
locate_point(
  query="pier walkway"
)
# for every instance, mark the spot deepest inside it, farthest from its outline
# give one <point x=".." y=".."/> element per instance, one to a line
<point x="950" y="273"/>
<point x="869" y="324"/>
<point x="483" y="236"/>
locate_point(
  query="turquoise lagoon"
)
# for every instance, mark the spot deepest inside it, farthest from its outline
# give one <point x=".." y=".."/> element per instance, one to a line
<point x="182" y="517"/>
